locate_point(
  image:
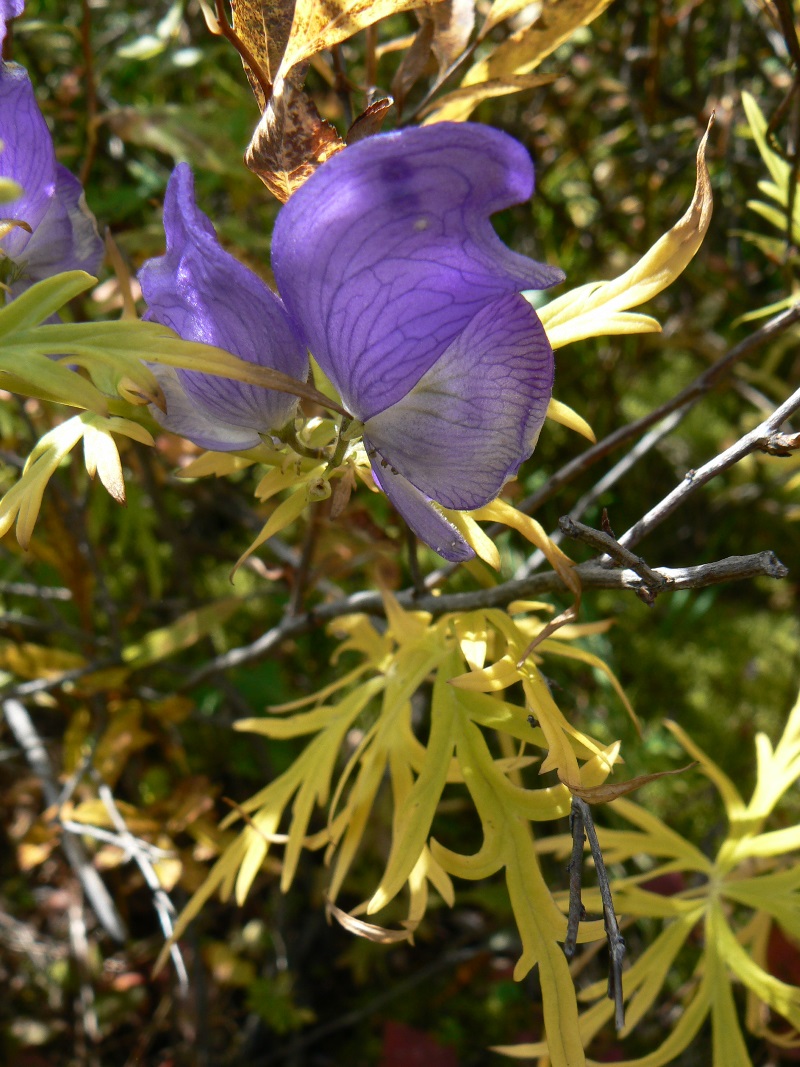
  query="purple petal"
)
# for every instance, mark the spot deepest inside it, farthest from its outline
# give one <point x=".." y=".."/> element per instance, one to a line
<point x="464" y="429"/>
<point x="194" y="422"/>
<point x="423" y="518"/>
<point x="205" y="294"/>
<point x="9" y="9"/>
<point x="27" y="156"/>
<point x="387" y="252"/>
<point x="67" y="237"/>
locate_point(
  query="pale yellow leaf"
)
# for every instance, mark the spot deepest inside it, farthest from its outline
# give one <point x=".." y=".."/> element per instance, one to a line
<point x="565" y="416"/>
<point x="599" y="308"/>
<point x="524" y="50"/>
<point x="319" y="25"/>
<point x="458" y="105"/>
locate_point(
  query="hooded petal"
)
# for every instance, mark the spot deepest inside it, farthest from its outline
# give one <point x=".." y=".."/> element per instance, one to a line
<point x="205" y="294"/>
<point x="386" y="253"/>
<point x="423" y="518"/>
<point x="66" y="238"/>
<point x="473" y="418"/>
<point x="194" y="422"/>
<point x="27" y="156"/>
<point x="9" y="9"/>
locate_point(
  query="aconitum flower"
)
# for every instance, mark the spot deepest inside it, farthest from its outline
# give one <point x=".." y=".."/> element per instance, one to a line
<point x="205" y="294"/>
<point x="411" y="304"/>
<point x="48" y="229"/>
<point x="393" y="277"/>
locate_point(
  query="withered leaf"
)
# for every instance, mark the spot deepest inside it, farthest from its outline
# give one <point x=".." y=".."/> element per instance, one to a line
<point x="458" y="105"/>
<point x="264" y="27"/>
<point x="608" y="791"/>
<point x="290" y="142"/>
<point x="369" y="121"/>
<point x="524" y="50"/>
<point x="413" y="63"/>
<point x="381" y="935"/>
<point x="322" y="24"/>
<point x="453" y="21"/>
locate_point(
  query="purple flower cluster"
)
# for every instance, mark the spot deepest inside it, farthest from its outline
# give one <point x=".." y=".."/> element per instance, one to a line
<point x="391" y="274"/>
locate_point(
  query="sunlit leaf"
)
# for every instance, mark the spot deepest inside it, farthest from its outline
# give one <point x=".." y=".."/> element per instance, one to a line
<point x="600" y="308"/>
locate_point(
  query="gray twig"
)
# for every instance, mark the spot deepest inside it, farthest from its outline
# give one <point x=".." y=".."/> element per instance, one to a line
<point x="582" y="821"/>
<point x="24" y="731"/>
<point x="592" y="575"/>
<point x="653" y="583"/>
<point x="762" y="438"/>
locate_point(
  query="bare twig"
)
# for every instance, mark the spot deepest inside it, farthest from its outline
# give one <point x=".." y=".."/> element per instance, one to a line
<point x="142" y="857"/>
<point x="759" y="439"/>
<point x="592" y="575"/>
<point x="582" y="821"/>
<point x="653" y="583"/>
<point x="687" y="398"/>
<point x="24" y="731"/>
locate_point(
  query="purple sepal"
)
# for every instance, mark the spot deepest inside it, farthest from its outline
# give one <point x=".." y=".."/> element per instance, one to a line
<point x="427" y="523"/>
<point x="205" y="294"/>
<point x="387" y="252"/>
<point x="9" y="9"/>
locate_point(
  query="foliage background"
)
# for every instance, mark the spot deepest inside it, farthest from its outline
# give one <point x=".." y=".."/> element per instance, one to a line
<point x="130" y="90"/>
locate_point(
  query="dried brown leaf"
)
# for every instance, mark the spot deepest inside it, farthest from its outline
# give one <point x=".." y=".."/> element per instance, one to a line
<point x="322" y="24"/>
<point x="458" y="105"/>
<point x="608" y="791"/>
<point x="379" y="934"/>
<point x="524" y="50"/>
<point x="290" y="142"/>
<point x="413" y="63"/>
<point x="453" y="21"/>
<point x="264" y="27"/>
<point x="369" y="121"/>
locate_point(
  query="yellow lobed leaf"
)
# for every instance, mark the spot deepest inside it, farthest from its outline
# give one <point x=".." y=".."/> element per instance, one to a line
<point x="501" y="511"/>
<point x="734" y="805"/>
<point x="413" y="818"/>
<point x="42" y="300"/>
<point x="23" y="501"/>
<point x="600" y="308"/>
<point x="218" y="464"/>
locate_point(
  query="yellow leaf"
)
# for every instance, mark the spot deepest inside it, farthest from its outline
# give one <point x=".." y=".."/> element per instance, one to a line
<point x="23" y="501"/>
<point x="219" y="464"/>
<point x="284" y="514"/>
<point x="458" y="105"/>
<point x="524" y="50"/>
<point x="599" y="308"/>
<point x="180" y="634"/>
<point x="321" y="24"/>
<point x="484" y="547"/>
<point x="563" y="414"/>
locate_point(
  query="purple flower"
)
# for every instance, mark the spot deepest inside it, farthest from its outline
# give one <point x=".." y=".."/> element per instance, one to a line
<point x="9" y="9"/>
<point x="49" y="228"/>
<point x="393" y="277"/>
<point x="205" y="294"/>
<point x="411" y="304"/>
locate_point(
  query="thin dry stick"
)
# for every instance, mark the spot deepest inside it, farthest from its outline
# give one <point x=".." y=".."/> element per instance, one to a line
<point x="653" y="582"/>
<point x="592" y="575"/>
<point x="24" y="731"/>
<point x="161" y="902"/>
<point x="582" y="821"/>
<point x="764" y="438"/>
